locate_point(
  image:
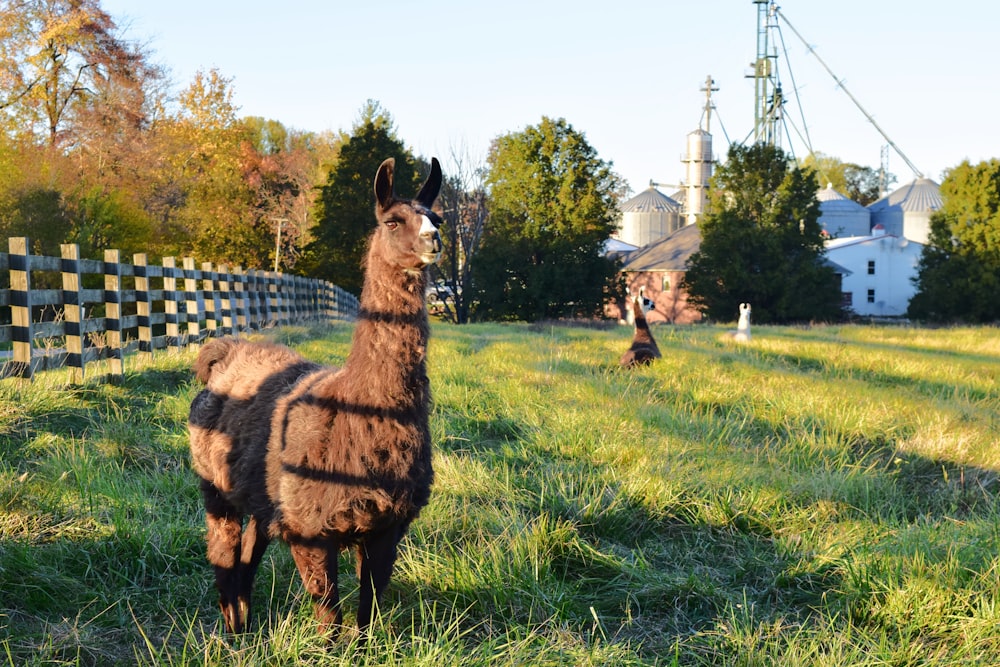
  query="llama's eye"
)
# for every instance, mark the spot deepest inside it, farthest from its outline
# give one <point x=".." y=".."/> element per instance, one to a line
<point x="391" y="224"/>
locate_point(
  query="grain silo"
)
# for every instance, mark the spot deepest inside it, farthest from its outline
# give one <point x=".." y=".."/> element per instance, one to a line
<point x="649" y="216"/>
<point x="907" y="211"/>
<point x="841" y="217"/>
<point x="698" y="167"/>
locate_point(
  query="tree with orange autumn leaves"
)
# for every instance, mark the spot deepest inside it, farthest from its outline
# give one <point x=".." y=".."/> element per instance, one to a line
<point x="92" y="152"/>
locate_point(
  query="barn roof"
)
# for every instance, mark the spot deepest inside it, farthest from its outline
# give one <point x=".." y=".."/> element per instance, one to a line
<point x="670" y="253"/>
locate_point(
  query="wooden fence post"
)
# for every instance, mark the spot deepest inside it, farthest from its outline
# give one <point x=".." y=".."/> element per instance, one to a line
<point x="20" y="305"/>
<point x="73" y="313"/>
<point x="241" y="300"/>
<point x="302" y="298"/>
<point x="171" y="301"/>
<point x="287" y="299"/>
<point x="143" y="304"/>
<point x="113" y="310"/>
<point x="211" y="298"/>
<point x="273" y="297"/>
<point x="249" y="281"/>
<point x="318" y="298"/>
<point x="226" y="294"/>
<point x="191" y="311"/>
<point x="291" y="306"/>
<point x="258" y="299"/>
<point x="264" y="279"/>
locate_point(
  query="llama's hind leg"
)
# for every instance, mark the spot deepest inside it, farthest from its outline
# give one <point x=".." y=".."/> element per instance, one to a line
<point x="224" y="537"/>
<point x="255" y="541"/>
<point x="376" y="557"/>
<point x="317" y="563"/>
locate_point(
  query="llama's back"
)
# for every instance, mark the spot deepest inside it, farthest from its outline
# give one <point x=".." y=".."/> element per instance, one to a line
<point x="230" y="419"/>
<point x="639" y="354"/>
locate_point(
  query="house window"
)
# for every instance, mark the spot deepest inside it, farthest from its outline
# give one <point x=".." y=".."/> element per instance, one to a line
<point x="871" y="267"/>
<point x="871" y="296"/>
<point x="847" y="299"/>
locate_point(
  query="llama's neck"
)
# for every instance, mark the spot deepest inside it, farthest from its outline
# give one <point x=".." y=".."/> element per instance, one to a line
<point x="387" y="361"/>
<point x="642" y="333"/>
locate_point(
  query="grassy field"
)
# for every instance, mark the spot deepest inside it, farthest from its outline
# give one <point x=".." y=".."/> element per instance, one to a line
<point x="819" y="496"/>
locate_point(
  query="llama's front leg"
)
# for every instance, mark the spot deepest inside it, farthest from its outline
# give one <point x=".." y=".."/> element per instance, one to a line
<point x="317" y="563"/>
<point x="376" y="557"/>
<point x="225" y="525"/>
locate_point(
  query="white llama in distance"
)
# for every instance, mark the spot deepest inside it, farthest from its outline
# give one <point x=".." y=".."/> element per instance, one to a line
<point x="742" y="333"/>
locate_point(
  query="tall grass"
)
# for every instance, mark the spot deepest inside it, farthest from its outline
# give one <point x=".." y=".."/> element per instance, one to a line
<point x="819" y="496"/>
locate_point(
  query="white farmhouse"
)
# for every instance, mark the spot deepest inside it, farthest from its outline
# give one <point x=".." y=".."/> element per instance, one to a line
<point x="882" y="266"/>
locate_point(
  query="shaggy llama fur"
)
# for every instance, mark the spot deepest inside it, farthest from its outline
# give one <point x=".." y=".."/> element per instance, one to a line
<point x="325" y="458"/>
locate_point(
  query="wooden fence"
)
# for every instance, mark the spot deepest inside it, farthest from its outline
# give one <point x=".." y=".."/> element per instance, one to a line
<point x="105" y="310"/>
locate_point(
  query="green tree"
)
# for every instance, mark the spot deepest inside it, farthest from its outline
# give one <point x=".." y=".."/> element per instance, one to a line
<point x="958" y="276"/>
<point x="344" y="210"/>
<point x="552" y="206"/>
<point x="762" y="243"/>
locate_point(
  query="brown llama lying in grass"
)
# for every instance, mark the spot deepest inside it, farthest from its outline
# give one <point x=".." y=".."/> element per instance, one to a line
<point x="643" y="349"/>
<point x="325" y="458"/>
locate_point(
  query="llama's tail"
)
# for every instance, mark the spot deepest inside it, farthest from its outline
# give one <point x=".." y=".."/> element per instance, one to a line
<point x="212" y="353"/>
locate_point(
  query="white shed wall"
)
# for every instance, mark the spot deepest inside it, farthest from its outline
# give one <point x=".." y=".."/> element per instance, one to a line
<point x="895" y="263"/>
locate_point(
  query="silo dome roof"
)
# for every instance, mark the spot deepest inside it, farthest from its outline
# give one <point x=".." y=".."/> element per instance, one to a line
<point x="830" y="200"/>
<point x="922" y="195"/>
<point x="651" y="200"/>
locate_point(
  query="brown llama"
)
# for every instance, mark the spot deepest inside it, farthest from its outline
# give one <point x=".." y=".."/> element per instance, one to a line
<point x="644" y="348"/>
<point x="325" y="458"/>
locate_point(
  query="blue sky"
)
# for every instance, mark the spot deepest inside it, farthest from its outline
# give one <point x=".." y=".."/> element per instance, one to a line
<point x="455" y="74"/>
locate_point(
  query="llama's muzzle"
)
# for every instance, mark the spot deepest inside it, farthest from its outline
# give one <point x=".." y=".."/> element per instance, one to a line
<point x="431" y="239"/>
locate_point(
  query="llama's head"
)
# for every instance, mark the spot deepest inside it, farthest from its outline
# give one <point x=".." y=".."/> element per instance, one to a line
<point x="641" y="303"/>
<point x="407" y="234"/>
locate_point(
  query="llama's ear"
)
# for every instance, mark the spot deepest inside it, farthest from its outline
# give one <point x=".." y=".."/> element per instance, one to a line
<point x="383" y="183"/>
<point x="429" y="190"/>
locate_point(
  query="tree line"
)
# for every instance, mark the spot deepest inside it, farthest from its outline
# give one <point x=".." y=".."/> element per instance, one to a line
<point x="97" y="150"/>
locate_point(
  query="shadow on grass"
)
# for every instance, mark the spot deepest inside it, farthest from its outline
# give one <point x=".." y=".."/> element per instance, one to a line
<point x="682" y="566"/>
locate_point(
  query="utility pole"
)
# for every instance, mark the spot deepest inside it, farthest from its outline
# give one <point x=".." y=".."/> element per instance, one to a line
<point x="277" y="241"/>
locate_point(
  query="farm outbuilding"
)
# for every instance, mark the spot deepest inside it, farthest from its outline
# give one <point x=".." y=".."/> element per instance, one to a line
<point x="648" y="217"/>
<point x="841" y="216"/>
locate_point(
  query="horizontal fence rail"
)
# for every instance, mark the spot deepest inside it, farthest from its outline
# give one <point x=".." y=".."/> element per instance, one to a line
<point x="105" y="310"/>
